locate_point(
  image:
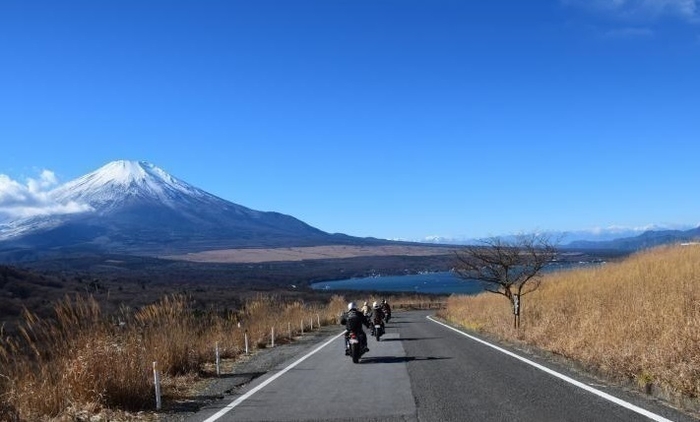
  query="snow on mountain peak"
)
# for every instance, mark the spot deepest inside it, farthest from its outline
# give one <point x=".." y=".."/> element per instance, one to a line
<point x="118" y="180"/>
<point x="123" y="171"/>
<point x="126" y="173"/>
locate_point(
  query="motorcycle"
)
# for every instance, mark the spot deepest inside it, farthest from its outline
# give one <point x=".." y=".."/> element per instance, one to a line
<point x="378" y="328"/>
<point x="354" y="347"/>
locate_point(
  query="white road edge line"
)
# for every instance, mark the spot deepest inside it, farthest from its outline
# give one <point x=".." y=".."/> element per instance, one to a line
<point x="264" y="384"/>
<point x="563" y="377"/>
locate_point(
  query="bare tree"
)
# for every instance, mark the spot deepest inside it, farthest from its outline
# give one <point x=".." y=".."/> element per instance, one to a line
<point x="508" y="268"/>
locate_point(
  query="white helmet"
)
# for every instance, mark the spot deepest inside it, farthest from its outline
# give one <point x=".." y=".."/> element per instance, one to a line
<point x="351" y="305"/>
<point x="374" y="305"/>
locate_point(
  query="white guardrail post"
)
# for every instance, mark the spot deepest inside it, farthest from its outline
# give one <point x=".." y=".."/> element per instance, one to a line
<point x="156" y="383"/>
<point x="218" y="359"/>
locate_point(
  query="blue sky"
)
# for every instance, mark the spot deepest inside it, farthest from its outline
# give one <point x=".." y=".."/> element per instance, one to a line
<point x="387" y="118"/>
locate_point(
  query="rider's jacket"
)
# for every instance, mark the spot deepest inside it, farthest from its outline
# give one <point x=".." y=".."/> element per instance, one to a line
<point x="354" y="320"/>
<point x="378" y="316"/>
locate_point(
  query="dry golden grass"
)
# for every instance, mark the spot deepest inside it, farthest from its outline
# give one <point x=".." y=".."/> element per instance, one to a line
<point x="638" y="319"/>
<point x="83" y="363"/>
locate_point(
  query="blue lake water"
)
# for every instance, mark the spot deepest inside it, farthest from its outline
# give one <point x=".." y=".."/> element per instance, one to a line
<point x="438" y="283"/>
<point x="442" y="282"/>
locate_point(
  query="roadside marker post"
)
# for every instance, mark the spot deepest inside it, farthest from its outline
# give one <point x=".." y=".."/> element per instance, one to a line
<point x="262" y="385"/>
<point x="156" y="383"/>
<point x="218" y="359"/>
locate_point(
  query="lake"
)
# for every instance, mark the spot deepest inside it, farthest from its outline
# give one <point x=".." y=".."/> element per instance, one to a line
<point x="442" y="282"/>
<point x="439" y="283"/>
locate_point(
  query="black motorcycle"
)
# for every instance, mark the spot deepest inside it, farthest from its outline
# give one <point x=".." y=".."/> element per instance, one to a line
<point x="377" y="328"/>
<point x="355" y="348"/>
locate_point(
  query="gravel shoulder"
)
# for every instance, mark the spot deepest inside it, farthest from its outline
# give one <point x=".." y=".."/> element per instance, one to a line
<point x="237" y="374"/>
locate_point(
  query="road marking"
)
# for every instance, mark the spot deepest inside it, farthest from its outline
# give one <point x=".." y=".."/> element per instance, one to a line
<point x="606" y="396"/>
<point x="247" y="395"/>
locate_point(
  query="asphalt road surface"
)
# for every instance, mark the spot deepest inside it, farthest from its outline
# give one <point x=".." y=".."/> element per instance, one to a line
<point x="422" y="370"/>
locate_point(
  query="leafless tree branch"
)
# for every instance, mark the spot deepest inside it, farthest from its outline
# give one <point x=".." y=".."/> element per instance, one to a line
<point x="512" y="269"/>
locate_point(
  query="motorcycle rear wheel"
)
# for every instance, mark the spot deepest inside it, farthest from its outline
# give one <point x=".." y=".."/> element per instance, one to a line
<point x="355" y="352"/>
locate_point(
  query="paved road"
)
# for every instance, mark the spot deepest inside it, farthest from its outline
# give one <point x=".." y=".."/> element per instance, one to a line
<point x="424" y="371"/>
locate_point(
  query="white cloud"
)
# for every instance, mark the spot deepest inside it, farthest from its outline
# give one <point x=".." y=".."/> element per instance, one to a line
<point x="32" y="198"/>
<point x="47" y="180"/>
<point x="642" y="10"/>
<point x="686" y="8"/>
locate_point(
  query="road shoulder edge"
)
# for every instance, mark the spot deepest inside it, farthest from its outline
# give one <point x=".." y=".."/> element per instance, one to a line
<point x="574" y="370"/>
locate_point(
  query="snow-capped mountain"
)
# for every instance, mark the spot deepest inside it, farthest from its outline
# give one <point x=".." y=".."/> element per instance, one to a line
<point x="136" y="207"/>
<point x="127" y="181"/>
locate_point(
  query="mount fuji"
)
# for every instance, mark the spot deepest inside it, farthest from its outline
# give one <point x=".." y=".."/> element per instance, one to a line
<point x="134" y="207"/>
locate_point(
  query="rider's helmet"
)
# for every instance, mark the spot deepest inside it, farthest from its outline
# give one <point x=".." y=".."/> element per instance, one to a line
<point x="384" y="301"/>
<point x="351" y="306"/>
<point x="375" y="305"/>
<point x="365" y="304"/>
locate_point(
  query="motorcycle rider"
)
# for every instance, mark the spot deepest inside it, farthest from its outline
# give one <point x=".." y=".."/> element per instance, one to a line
<point x="353" y="321"/>
<point x="387" y="309"/>
<point x="366" y="309"/>
<point x="377" y="316"/>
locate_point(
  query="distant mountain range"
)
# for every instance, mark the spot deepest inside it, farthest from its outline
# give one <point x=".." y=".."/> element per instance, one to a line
<point x="612" y="238"/>
<point x="648" y="239"/>
<point x="134" y="207"/>
<point x="137" y="208"/>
